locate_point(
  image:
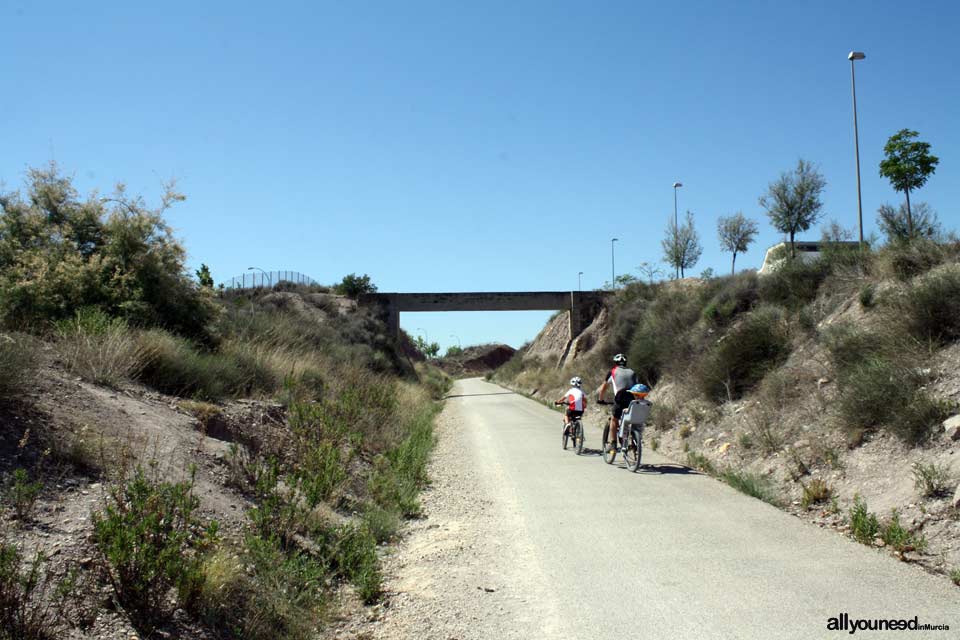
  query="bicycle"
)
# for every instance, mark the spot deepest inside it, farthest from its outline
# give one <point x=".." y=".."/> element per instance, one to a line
<point x="574" y="430"/>
<point x="629" y="439"/>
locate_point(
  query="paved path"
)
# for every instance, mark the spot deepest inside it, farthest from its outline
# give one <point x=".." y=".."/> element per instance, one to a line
<point x="524" y="540"/>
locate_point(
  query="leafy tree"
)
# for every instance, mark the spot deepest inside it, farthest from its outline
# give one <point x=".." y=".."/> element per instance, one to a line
<point x="736" y="233"/>
<point x="650" y="270"/>
<point x="453" y="351"/>
<point x="895" y="222"/>
<point x="430" y="350"/>
<point x="60" y="252"/>
<point x="907" y="166"/>
<point x="707" y="274"/>
<point x="793" y="200"/>
<point x="681" y="246"/>
<point x="353" y="286"/>
<point x="204" y="277"/>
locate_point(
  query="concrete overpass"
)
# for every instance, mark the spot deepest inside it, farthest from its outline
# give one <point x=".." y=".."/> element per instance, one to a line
<point x="582" y="305"/>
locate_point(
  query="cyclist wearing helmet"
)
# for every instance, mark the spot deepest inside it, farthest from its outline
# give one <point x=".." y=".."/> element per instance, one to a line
<point x="620" y="379"/>
<point x="575" y="401"/>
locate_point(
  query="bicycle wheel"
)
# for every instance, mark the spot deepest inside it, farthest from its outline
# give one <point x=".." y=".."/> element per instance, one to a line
<point x="609" y="451"/>
<point x="578" y="437"/>
<point x="636" y="450"/>
<point x="566" y="436"/>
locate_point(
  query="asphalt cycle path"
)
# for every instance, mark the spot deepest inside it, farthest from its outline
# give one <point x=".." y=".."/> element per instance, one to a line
<point x="599" y="552"/>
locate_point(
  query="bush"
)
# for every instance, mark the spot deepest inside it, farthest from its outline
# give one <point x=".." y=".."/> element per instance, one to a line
<point x="868" y="296"/>
<point x="744" y="355"/>
<point x="31" y="601"/>
<point x="264" y="594"/>
<point x="932" y="480"/>
<point x="660" y="339"/>
<point x="98" y="348"/>
<point x="816" y="492"/>
<point x="356" y="560"/>
<point x="354" y="286"/>
<point x="150" y="541"/>
<point x="863" y="525"/>
<point x="399" y="475"/>
<point x="899" y="538"/>
<point x="906" y="260"/>
<point x="738" y="294"/>
<point x="931" y="308"/>
<point x="793" y="284"/>
<point x="21" y="494"/>
<point x="174" y="365"/>
<point x="700" y="462"/>
<point x="18" y="361"/>
<point x="751" y="484"/>
<point x="382" y="523"/>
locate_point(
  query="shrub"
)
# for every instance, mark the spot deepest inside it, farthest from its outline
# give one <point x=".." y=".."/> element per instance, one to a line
<point x="262" y="593"/>
<point x="931" y="480"/>
<point x="744" y="355"/>
<point x="868" y="296"/>
<point x="382" y="523"/>
<point x="700" y="462"/>
<point x="22" y="494"/>
<point x="401" y="472"/>
<point x="816" y="492"/>
<point x="899" y="538"/>
<point x="18" y="361"/>
<point x="906" y="260"/>
<point x="863" y="524"/>
<point x="660" y="339"/>
<point x="353" y="285"/>
<point x="931" y="307"/>
<point x="793" y="284"/>
<point x="356" y="560"/>
<point x="149" y="541"/>
<point x="98" y="348"/>
<point x="662" y="416"/>
<point x="737" y="295"/>
<point x="955" y="576"/>
<point x="31" y="600"/>
<point x="319" y="472"/>
<point x="751" y="484"/>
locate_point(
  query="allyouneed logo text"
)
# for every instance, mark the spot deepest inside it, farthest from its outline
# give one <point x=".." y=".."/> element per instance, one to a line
<point x="844" y="622"/>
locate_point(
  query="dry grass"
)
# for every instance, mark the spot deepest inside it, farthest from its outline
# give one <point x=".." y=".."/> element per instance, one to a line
<point x="18" y="360"/>
<point x="98" y="348"/>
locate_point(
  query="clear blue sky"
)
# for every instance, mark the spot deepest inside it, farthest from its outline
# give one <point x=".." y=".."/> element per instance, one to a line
<point x="467" y="146"/>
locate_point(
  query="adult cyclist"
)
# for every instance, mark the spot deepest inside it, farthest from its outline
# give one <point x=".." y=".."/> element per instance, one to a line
<point x="575" y="401"/>
<point x="620" y="379"/>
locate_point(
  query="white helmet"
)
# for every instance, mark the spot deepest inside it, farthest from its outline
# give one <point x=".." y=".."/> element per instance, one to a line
<point x="620" y="359"/>
<point x="576" y="381"/>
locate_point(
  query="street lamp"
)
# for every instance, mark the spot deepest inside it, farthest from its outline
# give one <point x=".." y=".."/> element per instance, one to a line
<point x="580" y="281"/>
<point x="426" y="336"/>
<point x="269" y="277"/>
<point x="676" y="224"/>
<point x="852" y="56"/>
<point x="613" y="270"/>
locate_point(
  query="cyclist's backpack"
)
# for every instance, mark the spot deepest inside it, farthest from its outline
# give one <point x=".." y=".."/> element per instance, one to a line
<point x="636" y="414"/>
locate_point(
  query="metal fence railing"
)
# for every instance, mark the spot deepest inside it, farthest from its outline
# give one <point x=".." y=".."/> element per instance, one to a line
<point x="267" y="279"/>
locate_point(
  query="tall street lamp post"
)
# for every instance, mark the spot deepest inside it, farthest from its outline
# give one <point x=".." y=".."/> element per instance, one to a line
<point x="580" y="281"/>
<point x="269" y="277"/>
<point x="852" y="56"/>
<point x="458" y="340"/>
<point x="613" y="268"/>
<point x="676" y="224"/>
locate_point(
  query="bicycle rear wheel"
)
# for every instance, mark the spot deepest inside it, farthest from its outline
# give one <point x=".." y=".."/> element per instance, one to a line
<point x="635" y="450"/>
<point x="578" y="437"/>
<point x="566" y="436"/>
<point x="609" y="450"/>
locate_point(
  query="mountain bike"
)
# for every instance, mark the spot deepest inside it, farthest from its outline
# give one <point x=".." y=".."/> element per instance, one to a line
<point x="574" y="431"/>
<point x="629" y="441"/>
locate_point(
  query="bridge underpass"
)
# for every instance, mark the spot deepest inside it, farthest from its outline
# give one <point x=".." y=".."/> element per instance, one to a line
<point x="582" y="305"/>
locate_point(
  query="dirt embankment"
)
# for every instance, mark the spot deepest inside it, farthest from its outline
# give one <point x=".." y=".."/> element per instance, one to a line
<point x="477" y="360"/>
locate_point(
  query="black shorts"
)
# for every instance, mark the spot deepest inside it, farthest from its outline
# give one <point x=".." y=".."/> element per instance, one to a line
<point x="573" y="415"/>
<point x="620" y="403"/>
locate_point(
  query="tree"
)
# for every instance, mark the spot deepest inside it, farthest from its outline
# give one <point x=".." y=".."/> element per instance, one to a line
<point x="793" y="201"/>
<point x="353" y="286"/>
<point x="736" y="233"/>
<point x="650" y="270"/>
<point x="204" y="277"/>
<point x="907" y="166"/>
<point x="453" y="351"/>
<point x="430" y="350"/>
<point x="895" y="222"/>
<point x="681" y="247"/>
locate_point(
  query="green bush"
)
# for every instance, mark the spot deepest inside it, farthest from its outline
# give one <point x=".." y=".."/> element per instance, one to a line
<point x="353" y="286"/>
<point x="382" y="523"/>
<point x="932" y="480"/>
<point x="906" y="260"/>
<point x="150" y="541"/>
<point x="751" y="484"/>
<point x="738" y="294"/>
<point x="899" y="538"/>
<point x="31" y="600"/>
<point x="320" y="472"/>
<point x="98" y="348"/>
<point x="931" y="307"/>
<point x="793" y="283"/>
<point x="868" y="296"/>
<point x="660" y="339"/>
<point x="401" y="472"/>
<point x="816" y="492"/>
<point x="700" y="462"/>
<point x="356" y="560"/>
<point x="174" y="365"/>
<point x="863" y="525"/>
<point x="751" y="348"/>
<point x="18" y="363"/>
<point x="21" y="494"/>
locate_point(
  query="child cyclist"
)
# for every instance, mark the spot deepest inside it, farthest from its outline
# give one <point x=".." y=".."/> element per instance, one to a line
<point x="575" y="401"/>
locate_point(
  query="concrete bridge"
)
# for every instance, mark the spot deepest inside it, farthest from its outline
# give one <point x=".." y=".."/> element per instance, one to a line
<point x="582" y="305"/>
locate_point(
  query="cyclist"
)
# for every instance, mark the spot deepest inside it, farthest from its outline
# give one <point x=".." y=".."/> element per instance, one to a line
<point x="575" y="400"/>
<point x="621" y="379"/>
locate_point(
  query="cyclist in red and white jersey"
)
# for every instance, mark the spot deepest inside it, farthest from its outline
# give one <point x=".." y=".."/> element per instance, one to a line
<point x="575" y="401"/>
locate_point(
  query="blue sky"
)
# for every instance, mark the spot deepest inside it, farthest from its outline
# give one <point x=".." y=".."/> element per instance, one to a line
<point x="471" y="146"/>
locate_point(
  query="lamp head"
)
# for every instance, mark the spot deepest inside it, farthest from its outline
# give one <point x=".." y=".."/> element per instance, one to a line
<point x="677" y="184"/>
<point x="856" y="55"/>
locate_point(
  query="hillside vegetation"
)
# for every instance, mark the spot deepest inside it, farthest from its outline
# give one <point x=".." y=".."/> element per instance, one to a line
<point x="821" y="387"/>
<point x="180" y="461"/>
